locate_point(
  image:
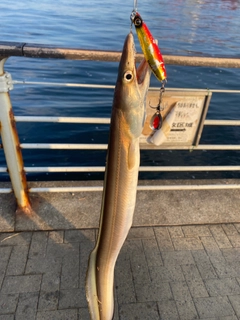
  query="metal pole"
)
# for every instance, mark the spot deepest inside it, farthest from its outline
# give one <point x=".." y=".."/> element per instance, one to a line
<point x="10" y="142"/>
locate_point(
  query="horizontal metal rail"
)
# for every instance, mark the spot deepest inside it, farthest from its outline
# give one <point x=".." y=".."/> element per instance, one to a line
<point x="70" y="146"/>
<point x="65" y="146"/>
<point x="141" y="169"/>
<point x="92" y="146"/>
<point x="222" y="122"/>
<point x="106" y="120"/>
<point x="139" y="188"/>
<point x="43" y="51"/>
<point x="6" y="190"/>
<point x="105" y="86"/>
<point x="62" y="119"/>
<point x="59" y="84"/>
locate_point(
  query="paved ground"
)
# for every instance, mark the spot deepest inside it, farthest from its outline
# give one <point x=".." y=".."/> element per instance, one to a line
<point x="80" y="210"/>
<point x="189" y="272"/>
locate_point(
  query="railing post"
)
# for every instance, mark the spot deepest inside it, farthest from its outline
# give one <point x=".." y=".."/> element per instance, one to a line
<point x="11" y="143"/>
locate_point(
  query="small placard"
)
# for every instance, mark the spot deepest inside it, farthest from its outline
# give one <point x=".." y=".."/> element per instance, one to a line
<point x="183" y="114"/>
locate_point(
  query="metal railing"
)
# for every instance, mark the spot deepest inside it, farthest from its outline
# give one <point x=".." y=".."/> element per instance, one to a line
<point x="12" y="146"/>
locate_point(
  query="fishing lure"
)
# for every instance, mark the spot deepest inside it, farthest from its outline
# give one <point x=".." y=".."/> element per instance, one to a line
<point x="157" y="119"/>
<point x="149" y="46"/>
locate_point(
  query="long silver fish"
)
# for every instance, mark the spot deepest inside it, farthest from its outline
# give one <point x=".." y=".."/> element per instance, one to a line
<point x="120" y="181"/>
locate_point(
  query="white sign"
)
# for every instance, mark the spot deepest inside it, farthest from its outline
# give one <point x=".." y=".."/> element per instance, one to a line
<point x="183" y="117"/>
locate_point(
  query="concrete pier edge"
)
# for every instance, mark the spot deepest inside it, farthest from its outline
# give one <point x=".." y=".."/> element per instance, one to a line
<point x="80" y="210"/>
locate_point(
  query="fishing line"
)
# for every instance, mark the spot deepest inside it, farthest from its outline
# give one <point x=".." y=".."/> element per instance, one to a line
<point x="135" y="5"/>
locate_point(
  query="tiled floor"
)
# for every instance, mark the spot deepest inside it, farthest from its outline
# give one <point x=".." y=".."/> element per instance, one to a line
<point x="189" y="272"/>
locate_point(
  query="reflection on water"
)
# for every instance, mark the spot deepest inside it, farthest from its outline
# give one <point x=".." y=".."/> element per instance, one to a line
<point x="206" y="27"/>
<point x="230" y="4"/>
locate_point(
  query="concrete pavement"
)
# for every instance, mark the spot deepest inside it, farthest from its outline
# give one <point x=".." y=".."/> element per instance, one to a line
<point x="188" y="272"/>
<point x="181" y="259"/>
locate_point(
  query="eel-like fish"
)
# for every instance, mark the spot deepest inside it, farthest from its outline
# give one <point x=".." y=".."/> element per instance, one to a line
<point x="120" y="182"/>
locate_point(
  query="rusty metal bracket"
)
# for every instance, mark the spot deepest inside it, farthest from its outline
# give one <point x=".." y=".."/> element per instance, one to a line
<point x="6" y="82"/>
<point x="11" y="143"/>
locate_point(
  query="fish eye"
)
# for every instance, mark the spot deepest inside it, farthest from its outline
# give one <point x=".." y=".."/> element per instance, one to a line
<point x="138" y="22"/>
<point x="128" y="76"/>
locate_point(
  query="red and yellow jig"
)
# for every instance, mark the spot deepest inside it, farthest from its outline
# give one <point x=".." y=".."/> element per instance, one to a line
<point x="149" y="47"/>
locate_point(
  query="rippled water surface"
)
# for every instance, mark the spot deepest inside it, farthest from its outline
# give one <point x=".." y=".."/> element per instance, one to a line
<point x="184" y="27"/>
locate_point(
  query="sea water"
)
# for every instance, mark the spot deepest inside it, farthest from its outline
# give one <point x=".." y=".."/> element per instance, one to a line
<point x="182" y="27"/>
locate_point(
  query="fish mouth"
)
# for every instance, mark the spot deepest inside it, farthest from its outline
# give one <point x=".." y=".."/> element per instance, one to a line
<point x="143" y="71"/>
<point x="128" y="64"/>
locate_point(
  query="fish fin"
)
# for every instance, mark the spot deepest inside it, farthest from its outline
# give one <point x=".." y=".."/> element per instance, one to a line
<point x="133" y="155"/>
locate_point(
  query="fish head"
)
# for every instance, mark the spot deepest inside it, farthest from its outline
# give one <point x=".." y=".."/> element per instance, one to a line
<point x="132" y="86"/>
